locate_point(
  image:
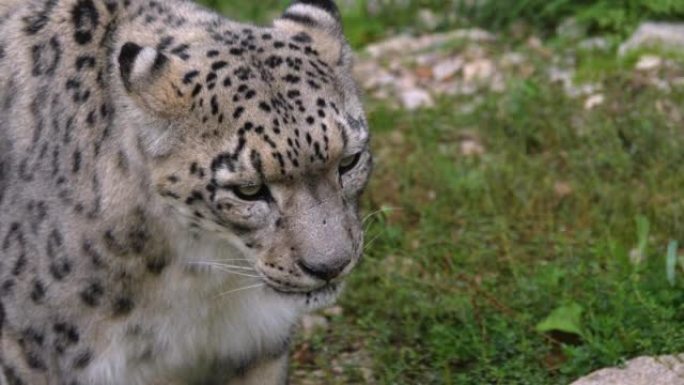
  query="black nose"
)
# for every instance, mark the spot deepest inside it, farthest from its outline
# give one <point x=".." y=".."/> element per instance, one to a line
<point x="324" y="271"/>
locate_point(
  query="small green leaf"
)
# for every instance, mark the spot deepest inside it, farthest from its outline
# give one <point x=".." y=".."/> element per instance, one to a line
<point x="565" y="318"/>
<point x="671" y="262"/>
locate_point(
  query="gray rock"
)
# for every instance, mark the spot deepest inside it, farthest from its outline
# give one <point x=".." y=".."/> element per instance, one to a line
<point x="406" y="45"/>
<point x="594" y="44"/>
<point x="313" y="322"/>
<point x="570" y="29"/>
<point x="415" y="98"/>
<point x="649" y="34"/>
<point x="663" y="370"/>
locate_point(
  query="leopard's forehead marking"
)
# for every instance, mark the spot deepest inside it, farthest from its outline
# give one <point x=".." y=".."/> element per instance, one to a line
<point x="271" y="94"/>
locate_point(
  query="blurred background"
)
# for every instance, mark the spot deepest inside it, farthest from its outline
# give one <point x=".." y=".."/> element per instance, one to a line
<point x="525" y="217"/>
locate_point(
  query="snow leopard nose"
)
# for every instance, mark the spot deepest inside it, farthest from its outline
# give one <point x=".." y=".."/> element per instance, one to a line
<point x="324" y="271"/>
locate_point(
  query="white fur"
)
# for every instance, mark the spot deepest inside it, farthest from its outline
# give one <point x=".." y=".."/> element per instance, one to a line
<point x="143" y="63"/>
<point x="313" y="12"/>
<point x="186" y="319"/>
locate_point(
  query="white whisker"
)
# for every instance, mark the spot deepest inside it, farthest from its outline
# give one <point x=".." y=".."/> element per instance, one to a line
<point x="237" y="272"/>
<point x="379" y="211"/>
<point x="369" y="243"/>
<point x="370" y="215"/>
<point x="241" y="289"/>
<point x="218" y="264"/>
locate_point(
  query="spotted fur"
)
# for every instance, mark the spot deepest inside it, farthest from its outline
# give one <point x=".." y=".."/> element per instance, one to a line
<point x="176" y="189"/>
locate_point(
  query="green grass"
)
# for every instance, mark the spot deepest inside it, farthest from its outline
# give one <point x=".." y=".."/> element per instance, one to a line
<point x="604" y="16"/>
<point x="478" y="251"/>
<point x="466" y="256"/>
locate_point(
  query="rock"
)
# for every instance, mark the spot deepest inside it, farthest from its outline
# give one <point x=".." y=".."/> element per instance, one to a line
<point x="428" y="19"/>
<point x="471" y="148"/>
<point x="414" y="98"/>
<point x="447" y="68"/>
<point x="562" y="189"/>
<point x="367" y="374"/>
<point x="478" y="70"/>
<point x="649" y="34"/>
<point x="334" y="311"/>
<point x="536" y="44"/>
<point x="570" y="29"/>
<point x="498" y="83"/>
<point x="360" y="360"/>
<point x="512" y="59"/>
<point x="371" y="75"/>
<point x="423" y="73"/>
<point x="594" y="44"/>
<point x="313" y="322"/>
<point x="409" y="72"/>
<point x="649" y="62"/>
<point x="661" y="84"/>
<point x="303" y="354"/>
<point x="405" y="44"/>
<point x="464" y="89"/>
<point x="561" y="75"/>
<point x="636" y="256"/>
<point x="385" y="47"/>
<point x="308" y="377"/>
<point x="474" y="35"/>
<point x="594" y="101"/>
<point x="640" y="371"/>
<point x="577" y="90"/>
<point x="427" y="59"/>
<point x="565" y="77"/>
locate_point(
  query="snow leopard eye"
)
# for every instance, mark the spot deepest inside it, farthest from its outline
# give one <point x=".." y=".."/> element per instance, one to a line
<point x="252" y="192"/>
<point x="348" y="163"/>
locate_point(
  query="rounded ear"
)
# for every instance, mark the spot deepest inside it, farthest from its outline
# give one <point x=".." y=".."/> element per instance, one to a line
<point x="322" y="14"/>
<point x="326" y="5"/>
<point x="148" y="77"/>
<point x="319" y="19"/>
<point x="139" y="64"/>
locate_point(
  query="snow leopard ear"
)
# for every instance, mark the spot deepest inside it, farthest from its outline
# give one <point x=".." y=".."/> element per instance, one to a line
<point x="322" y="14"/>
<point x="318" y="20"/>
<point x="148" y="77"/>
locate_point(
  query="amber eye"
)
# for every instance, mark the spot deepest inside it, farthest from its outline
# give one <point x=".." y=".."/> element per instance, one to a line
<point x="252" y="192"/>
<point x="348" y="163"/>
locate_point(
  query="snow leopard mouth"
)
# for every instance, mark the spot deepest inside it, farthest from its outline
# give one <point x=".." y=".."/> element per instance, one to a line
<point x="313" y="299"/>
<point x="327" y="289"/>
